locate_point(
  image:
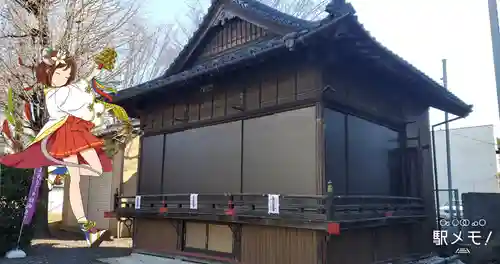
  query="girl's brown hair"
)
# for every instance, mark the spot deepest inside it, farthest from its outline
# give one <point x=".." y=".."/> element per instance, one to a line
<point x="45" y="71"/>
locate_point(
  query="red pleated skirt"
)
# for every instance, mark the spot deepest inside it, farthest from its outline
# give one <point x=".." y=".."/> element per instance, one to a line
<point x="73" y="137"/>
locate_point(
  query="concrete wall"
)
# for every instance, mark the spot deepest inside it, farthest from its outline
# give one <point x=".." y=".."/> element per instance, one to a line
<point x="473" y="160"/>
<point x="128" y="181"/>
<point x="56" y="200"/>
<point x="130" y="163"/>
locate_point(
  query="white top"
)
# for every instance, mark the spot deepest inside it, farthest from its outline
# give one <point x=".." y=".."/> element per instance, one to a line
<point x="70" y="100"/>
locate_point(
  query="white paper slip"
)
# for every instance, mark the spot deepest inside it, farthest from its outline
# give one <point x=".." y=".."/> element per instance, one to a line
<point x="273" y="203"/>
<point x="137" y="202"/>
<point x="193" y="201"/>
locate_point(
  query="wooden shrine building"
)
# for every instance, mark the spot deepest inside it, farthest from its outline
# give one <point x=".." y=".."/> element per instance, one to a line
<point x="260" y="104"/>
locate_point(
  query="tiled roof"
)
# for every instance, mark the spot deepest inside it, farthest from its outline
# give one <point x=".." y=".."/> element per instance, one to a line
<point x="253" y="6"/>
<point x="219" y="63"/>
<point x="245" y="53"/>
<point x="270" y="13"/>
<point x="462" y="109"/>
<point x="300" y="36"/>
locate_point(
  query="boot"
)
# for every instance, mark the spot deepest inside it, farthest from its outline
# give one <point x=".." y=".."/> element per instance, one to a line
<point x="93" y="236"/>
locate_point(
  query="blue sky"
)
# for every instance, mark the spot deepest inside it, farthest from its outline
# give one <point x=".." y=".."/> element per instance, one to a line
<point x="163" y="11"/>
<point x="423" y="32"/>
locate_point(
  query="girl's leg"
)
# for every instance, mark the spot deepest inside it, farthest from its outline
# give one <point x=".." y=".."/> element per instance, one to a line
<point x="93" y="236"/>
<point x="91" y="157"/>
<point x="75" y="196"/>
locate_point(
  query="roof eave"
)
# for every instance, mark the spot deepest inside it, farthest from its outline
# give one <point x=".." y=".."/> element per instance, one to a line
<point x="446" y="102"/>
<point x="130" y="94"/>
<point x="300" y="38"/>
<point x="449" y="102"/>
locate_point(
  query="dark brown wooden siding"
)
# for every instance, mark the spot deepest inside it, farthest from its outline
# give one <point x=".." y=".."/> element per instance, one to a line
<point x="386" y="250"/>
<point x="273" y="245"/>
<point x="155" y="236"/>
<point x="241" y="93"/>
<point x="364" y="93"/>
<point x="231" y="34"/>
<point x="351" y="247"/>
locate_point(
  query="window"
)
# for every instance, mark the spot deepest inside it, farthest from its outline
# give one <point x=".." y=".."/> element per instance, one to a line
<point x="208" y="237"/>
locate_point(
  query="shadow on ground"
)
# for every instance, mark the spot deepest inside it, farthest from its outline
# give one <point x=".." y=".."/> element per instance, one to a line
<point x="57" y="231"/>
<point x="54" y="251"/>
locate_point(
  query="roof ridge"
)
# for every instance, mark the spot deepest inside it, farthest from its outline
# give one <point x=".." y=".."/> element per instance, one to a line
<point x="350" y="31"/>
<point x="260" y="7"/>
<point x="263" y="10"/>
<point x="185" y="48"/>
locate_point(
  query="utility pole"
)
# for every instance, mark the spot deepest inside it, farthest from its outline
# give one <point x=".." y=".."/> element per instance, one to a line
<point x="495" y="41"/>
<point x="448" y="154"/>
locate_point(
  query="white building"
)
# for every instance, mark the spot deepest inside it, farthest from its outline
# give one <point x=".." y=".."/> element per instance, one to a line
<point x="473" y="160"/>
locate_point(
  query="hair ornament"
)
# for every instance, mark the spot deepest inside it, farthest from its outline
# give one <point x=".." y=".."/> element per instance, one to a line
<point x="46" y="56"/>
<point x="54" y="59"/>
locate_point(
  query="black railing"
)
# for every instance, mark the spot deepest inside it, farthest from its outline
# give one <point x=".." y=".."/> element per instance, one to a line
<point x="292" y="209"/>
<point x="352" y="207"/>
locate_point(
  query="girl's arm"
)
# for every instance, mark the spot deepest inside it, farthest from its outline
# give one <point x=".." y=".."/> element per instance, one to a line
<point x="66" y="99"/>
<point x="93" y="74"/>
<point x="71" y="100"/>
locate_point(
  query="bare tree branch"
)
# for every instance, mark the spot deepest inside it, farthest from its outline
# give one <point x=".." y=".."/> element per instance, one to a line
<point x="84" y="28"/>
<point x="14" y="36"/>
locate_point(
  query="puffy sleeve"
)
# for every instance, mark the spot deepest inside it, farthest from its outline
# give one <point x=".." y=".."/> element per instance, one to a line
<point x="70" y="100"/>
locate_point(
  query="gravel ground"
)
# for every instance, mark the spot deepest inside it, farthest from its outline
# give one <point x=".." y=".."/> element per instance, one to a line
<point x="68" y="251"/>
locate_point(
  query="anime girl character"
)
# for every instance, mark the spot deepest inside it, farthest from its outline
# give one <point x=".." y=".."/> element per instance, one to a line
<point x="66" y="139"/>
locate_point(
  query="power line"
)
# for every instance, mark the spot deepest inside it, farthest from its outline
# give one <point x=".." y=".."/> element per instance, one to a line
<point x="472" y="138"/>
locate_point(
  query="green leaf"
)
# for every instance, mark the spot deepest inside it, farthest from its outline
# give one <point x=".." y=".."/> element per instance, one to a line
<point x="9" y="116"/>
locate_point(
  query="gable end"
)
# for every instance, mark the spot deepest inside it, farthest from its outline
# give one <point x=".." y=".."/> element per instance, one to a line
<point x="205" y="42"/>
<point x="228" y="36"/>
